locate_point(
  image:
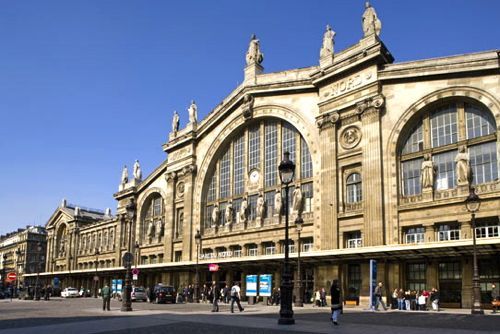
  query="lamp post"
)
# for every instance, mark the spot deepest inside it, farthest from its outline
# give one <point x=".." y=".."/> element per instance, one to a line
<point x="39" y="250"/>
<point x="18" y="255"/>
<point x="96" y="277"/>
<point x="197" y="239"/>
<point x="286" y="171"/>
<point x="69" y="270"/>
<point x="298" y="299"/>
<point x="3" y="269"/>
<point x="127" y="262"/>
<point x="472" y="203"/>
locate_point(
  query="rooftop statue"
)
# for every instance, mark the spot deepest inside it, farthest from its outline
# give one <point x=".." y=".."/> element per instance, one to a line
<point x="175" y="122"/>
<point x="254" y="56"/>
<point x="328" y="42"/>
<point x="193" y="112"/>
<point x="137" y="171"/>
<point x="371" y="23"/>
<point x="125" y="175"/>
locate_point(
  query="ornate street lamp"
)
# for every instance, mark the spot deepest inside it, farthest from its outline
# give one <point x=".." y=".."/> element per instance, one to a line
<point x="18" y="255"/>
<point x="3" y="269"/>
<point x="472" y="203"/>
<point x="96" y="277"/>
<point x="286" y="171"/>
<point x="298" y="299"/>
<point x="127" y="262"/>
<point x="39" y="250"/>
<point x="197" y="239"/>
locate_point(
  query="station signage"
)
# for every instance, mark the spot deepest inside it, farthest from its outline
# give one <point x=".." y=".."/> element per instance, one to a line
<point x="213" y="267"/>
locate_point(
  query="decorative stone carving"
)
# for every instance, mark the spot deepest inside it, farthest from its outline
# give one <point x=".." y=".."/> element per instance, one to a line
<point x="243" y="210"/>
<point x="427" y="172"/>
<point x="327" y="49"/>
<point x="277" y="202"/>
<point x="124" y="179"/>
<point x="160" y="230"/>
<point x="463" y="168"/>
<point x="327" y="120"/>
<point x="137" y="171"/>
<point x="215" y="215"/>
<point x="375" y="102"/>
<point x="172" y="176"/>
<point x="151" y="231"/>
<point x="254" y="56"/>
<point x="175" y="123"/>
<point x="180" y="189"/>
<point x="260" y="208"/>
<point x="247" y="106"/>
<point x="350" y="137"/>
<point x="371" y="23"/>
<point x="297" y="200"/>
<point x="193" y="113"/>
<point x="229" y="213"/>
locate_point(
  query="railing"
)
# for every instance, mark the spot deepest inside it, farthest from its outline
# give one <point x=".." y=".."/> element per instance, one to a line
<point x="270" y="250"/>
<point x="487" y="231"/>
<point x="237" y="253"/>
<point x="448" y="235"/>
<point x="307" y="247"/>
<point x="415" y="238"/>
<point x="291" y="249"/>
<point x="253" y="252"/>
<point x="355" y="243"/>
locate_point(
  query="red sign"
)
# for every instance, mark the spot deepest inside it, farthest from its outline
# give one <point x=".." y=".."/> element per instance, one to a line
<point x="11" y="276"/>
<point x="135" y="271"/>
<point x="213" y="267"/>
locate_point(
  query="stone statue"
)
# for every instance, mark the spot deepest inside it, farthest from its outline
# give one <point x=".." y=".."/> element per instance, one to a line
<point x="427" y="172"/>
<point x="215" y="215"/>
<point x="229" y="213"/>
<point x="243" y="210"/>
<point x="137" y="171"/>
<point x="175" y="122"/>
<point x="193" y="112"/>
<point x="297" y="200"/>
<point x="260" y="208"/>
<point x="247" y="106"/>
<point x="124" y="175"/>
<point x="159" y="229"/>
<point x="62" y="246"/>
<point x="463" y="168"/>
<point x="277" y="202"/>
<point x="328" y="42"/>
<point x="254" y="56"/>
<point x="371" y="23"/>
<point x="151" y="230"/>
<point x="111" y="239"/>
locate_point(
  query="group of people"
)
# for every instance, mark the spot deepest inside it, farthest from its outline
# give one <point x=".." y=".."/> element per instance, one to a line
<point x="214" y="294"/>
<point x="319" y="298"/>
<point x="415" y="300"/>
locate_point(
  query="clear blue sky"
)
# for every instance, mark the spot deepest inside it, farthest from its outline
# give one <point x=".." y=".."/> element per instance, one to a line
<point x="88" y="86"/>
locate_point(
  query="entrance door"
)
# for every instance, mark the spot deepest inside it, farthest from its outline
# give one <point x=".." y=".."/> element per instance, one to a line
<point x="450" y="284"/>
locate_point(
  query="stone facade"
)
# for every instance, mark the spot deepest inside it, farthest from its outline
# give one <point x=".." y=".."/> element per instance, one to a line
<point x="350" y="124"/>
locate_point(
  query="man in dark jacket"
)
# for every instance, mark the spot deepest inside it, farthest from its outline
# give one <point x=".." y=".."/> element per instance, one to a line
<point x="336" y="301"/>
<point x="106" y="297"/>
<point x="215" y="296"/>
<point x="378" y="296"/>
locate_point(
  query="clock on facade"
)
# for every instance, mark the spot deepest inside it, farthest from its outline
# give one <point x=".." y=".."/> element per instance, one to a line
<point x="254" y="176"/>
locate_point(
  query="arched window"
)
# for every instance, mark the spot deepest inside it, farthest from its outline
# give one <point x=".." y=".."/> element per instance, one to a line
<point x="354" y="193"/>
<point x="439" y="133"/>
<point x="152" y="223"/>
<point x="247" y="167"/>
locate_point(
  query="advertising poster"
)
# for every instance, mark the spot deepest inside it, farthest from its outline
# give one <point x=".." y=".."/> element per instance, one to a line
<point x="373" y="282"/>
<point x="251" y="285"/>
<point x="265" y="285"/>
<point x="119" y="285"/>
<point x="113" y="286"/>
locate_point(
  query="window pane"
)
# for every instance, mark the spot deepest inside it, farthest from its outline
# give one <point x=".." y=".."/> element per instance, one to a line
<point x="239" y="178"/>
<point x="483" y="161"/>
<point x="254" y="147"/>
<point x="306" y="169"/>
<point x="289" y="140"/>
<point x="212" y="188"/>
<point x="354" y="193"/>
<point x="271" y="154"/>
<point x="415" y="141"/>
<point x="269" y="199"/>
<point x="411" y="177"/>
<point x="444" y="126"/>
<point x="445" y="170"/>
<point x="307" y="196"/>
<point x="479" y="123"/>
<point x="225" y="164"/>
<point x="252" y="207"/>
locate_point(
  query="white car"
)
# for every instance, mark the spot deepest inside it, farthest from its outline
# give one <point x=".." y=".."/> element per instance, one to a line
<point x="70" y="293"/>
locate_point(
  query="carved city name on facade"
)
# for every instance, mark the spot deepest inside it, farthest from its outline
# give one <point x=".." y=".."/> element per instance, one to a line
<point x="347" y="84"/>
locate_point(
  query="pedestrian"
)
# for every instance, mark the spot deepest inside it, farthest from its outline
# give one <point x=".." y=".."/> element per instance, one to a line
<point x="495" y="298"/>
<point x="204" y="294"/>
<point x="408" y="300"/>
<point x="378" y="296"/>
<point x="152" y="294"/>
<point x="106" y="297"/>
<point x="322" y="296"/>
<point x="413" y="300"/>
<point x="317" y="299"/>
<point x="435" y="299"/>
<point x="336" y="301"/>
<point x="394" y="299"/>
<point x="215" y="296"/>
<point x="421" y="301"/>
<point x="401" y="299"/>
<point x="235" y="297"/>
<point x="227" y="294"/>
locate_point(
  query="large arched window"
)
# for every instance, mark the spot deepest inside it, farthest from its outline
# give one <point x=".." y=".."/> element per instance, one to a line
<point x="248" y="166"/>
<point x="354" y="193"/>
<point x="152" y="228"/>
<point x="438" y="134"/>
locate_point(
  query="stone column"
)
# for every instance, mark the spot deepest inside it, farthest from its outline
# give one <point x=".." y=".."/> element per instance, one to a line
<point x="465" y="230"/>
<point x="169" y="228"/>
<point x="190" y="225"/>
<point x="430" y="235"/>
<point x="328" y="233"/>
<point x="48" y="262"/>
<point x="370" y="110"/>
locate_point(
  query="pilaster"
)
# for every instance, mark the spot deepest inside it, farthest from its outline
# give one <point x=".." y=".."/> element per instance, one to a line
<point x="191" y="224"/>
<point x="171" y="179"/>
<point x="370" y="110"/>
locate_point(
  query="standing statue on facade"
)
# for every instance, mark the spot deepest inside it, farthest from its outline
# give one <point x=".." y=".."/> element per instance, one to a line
<point x="111" y="239"/>
<point x="62" y="246"/>
<point x="137" y="171"/>
<point x="229" y="213"/>
<point x="427" y="172"/>
<point x="215" y="215"/>
<point x="159" y="228"/>
<point x="243" y="210"/>
<point x="328" y="42"/>
<point x="254" y="56"/>
<point x="175" y="123"/>
<point x="260" y="208"/>
<point x="463" y="168"/>
<point x="371" y="23"/>
<point x="297" y="200"/>
<point x="193" y="112"/>
<point x="151" y="231"/>
<point x="277" y="202"/>
<point x="124" y="175"/>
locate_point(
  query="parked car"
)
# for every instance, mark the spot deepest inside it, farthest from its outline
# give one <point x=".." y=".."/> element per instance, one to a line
<point x="138" y="293"/>
<point x="70" y="293"/>
<point x="165" y="294"/>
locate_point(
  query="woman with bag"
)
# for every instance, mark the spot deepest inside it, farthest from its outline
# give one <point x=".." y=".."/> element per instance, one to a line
<point x="336" y="301"/>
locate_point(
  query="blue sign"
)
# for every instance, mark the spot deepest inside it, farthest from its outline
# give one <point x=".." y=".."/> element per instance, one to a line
<point x="251" y="285"/>
<point x="265" y="285"/>
<point x="116" y="285"/>
<point x="373" y="282"/>
<point x="113" y="286"/>
<point x="56" y="282"/>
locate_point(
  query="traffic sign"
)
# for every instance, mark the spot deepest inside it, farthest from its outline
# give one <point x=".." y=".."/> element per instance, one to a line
<point x="135" y="277"/>
<point x="135" y="271"/>
<point x="11" y="276"/>
<point x="96" y="278"/>
<point x="127" y="259"/>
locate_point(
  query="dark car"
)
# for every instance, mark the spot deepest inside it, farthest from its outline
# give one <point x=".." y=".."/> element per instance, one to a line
<point x="165" y="294"/>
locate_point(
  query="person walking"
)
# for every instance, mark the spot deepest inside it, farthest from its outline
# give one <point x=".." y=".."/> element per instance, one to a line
<point x="336" y="302"/>
<point x="378" y="296"/>
<point x="215" y="296"/>
<point x="235" y="297"/>
<point x="106" y="297"/>
<point x="495" y="298"/>
<point x="401" y="299"/>
<point x="435" y="299"/>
